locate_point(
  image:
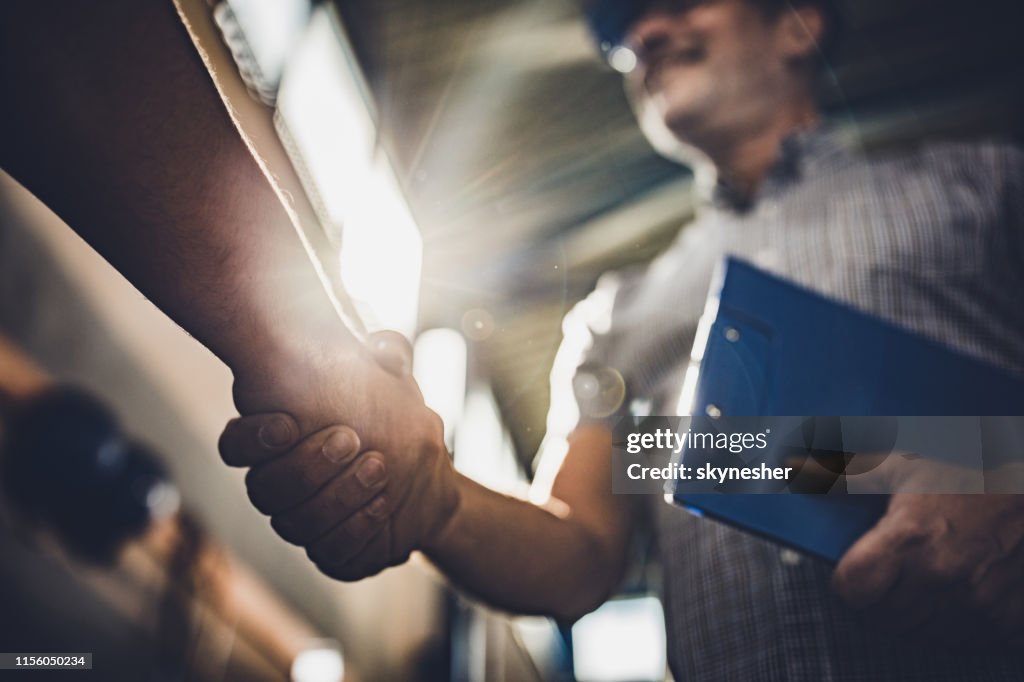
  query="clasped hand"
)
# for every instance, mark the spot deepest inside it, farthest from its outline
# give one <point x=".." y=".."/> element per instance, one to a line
<point x="941" y="567"/>
<point x="356" y="507"/>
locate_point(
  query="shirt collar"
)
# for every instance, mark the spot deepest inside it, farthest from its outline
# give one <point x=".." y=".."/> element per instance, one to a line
<point x="802" y="152"/>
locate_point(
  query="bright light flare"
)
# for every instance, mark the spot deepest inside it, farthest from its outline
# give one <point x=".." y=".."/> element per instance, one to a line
<point x="325" y="106"/>
<point x="622" y="640"/>
<point x="439" y="367"/>
<point x="622" y="59"/>
<point x="321" y="663"/>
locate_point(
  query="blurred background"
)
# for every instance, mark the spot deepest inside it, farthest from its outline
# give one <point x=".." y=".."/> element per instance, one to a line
<point x="465" y="170"/>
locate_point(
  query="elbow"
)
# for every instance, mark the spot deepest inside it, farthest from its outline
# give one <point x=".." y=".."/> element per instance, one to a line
<point x="574" y="609"/>
<point x="586" y="589"/>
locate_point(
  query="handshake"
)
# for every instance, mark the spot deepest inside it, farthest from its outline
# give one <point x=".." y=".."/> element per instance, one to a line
<point x="344" y="456"/>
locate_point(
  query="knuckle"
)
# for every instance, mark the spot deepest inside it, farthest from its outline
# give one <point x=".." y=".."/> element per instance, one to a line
<point x="907" y="529"/>
<point x="401" y="558"/>
<point x="437" y="427"/>
<point x="348" y="538"/>
<point x="335" y="547"/>
<point x="328" y="550"/>
<point x="318" y="554"/>
<point x="226" y="443"/>
<point x="260" y="504"/>
<point x="855" y="583"/>
<point x="369" y="571"/>
<point x="356" y="569"/>
<point x="343" y="572"/>
<point x="285" y="527"/>
<point x="841" y="578"/>
<point x="852" y="568"/>
<point x="431" y="441"/>
<point x="843" y="583"/>
<point x="340" y="497"/>
<point x="307" y="481"/>
<point x="945" y="569"/>
<point x="344" y="491"/>
<point x="305" y="475"/>
<point x="329" y="570"/>
<point x="371" y="559"/>
<point x="257" y="492"/>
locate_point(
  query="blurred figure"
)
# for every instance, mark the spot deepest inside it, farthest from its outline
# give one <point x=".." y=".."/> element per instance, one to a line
<point x="83" y="494"/>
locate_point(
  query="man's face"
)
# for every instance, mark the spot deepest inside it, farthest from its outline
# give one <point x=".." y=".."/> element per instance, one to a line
<point x="706" y="68"/>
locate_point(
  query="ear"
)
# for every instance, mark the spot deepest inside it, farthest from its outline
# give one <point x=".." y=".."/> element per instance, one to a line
<point x="799" y="31"/>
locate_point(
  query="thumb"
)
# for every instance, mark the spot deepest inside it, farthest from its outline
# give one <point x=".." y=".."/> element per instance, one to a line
<point x="871" y="567"/>
<point x="392" y="351"/>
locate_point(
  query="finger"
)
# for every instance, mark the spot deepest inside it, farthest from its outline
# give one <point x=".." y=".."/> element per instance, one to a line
<point x="248" y="441"/>
<point x="392" y="351"/>
<point x="908" y="611"/>
<point x="871" y="567"/>
<point x="291" y="478"/>
<point x="373" y="559"/>
<point x="349" y="538"/>
<point x="342" y="497"/>
<point x="998" y="593"/>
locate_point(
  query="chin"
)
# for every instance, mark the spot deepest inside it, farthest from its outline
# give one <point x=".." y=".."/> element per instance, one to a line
<point x="685" y="124"/>
<point x="683" y="111"/>
<point x="666" y="141"/>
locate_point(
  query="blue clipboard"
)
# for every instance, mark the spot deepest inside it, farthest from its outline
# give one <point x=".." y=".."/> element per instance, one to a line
<point x="778" y="349"/>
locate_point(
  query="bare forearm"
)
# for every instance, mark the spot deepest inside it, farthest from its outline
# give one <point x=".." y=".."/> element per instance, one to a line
<point x="522" y="557"/>
<point x="116" y="125"/>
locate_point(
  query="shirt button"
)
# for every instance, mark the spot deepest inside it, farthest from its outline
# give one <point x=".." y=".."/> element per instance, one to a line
<point x="789" y="557"/>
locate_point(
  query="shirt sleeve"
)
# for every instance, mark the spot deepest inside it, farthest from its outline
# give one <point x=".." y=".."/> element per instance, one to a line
<point x="585" y="373"/>
<point x="585" y="389"/>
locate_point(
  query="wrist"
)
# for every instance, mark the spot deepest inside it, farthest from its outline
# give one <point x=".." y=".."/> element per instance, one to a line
<point x="293" y="321"/>
<point x="438" y="542"/>
<point x="283" y="371"/>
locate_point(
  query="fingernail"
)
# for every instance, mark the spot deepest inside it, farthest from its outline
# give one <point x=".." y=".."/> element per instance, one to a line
<point x="339" y="446"/>
<point x="376" y="508"/>
<point x="371" y="472"/>
<point x="276" y="433"/>
<point x="395" y="357"/>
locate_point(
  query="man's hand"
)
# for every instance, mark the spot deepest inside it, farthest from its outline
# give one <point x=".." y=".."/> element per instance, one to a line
<point x="947" y="568"/>
<point x="359" y="509"/>
<point x="354" y="508"/>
